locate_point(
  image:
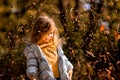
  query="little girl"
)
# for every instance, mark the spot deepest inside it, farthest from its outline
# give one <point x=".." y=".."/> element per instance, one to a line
<point x="45" y="57"/>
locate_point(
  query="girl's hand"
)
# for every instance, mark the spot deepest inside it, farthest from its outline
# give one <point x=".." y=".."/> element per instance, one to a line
<point x="70" y="72"/>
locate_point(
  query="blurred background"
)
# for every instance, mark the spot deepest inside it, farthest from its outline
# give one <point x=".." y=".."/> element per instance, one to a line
<point x="90" y="29"/>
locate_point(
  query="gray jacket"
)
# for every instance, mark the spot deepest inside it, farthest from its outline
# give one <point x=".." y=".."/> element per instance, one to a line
<point x="38" y="67"/>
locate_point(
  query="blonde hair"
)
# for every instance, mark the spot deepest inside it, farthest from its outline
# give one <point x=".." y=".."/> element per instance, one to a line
<point x="42" y="26"/>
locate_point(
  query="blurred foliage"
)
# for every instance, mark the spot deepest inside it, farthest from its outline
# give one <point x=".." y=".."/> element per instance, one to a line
<point x="90" y="28"/>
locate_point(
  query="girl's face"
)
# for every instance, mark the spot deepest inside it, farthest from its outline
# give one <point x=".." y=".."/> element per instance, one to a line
<point x="48" y="37"/>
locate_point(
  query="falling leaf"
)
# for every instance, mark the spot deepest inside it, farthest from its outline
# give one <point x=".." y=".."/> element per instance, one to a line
<point x="90" y="53"/>
<point x="79" y="63"/>
<point x="117" y="36"/>
<point x="102" y="28"/>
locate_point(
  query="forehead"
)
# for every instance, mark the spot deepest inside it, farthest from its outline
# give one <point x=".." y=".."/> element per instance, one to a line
<point x="52" y="28"/>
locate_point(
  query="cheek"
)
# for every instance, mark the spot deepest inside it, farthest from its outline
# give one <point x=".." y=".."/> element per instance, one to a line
<point x="47" y="39"/>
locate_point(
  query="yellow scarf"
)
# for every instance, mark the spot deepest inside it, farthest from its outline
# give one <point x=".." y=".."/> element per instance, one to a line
<point x="50" y="52"/>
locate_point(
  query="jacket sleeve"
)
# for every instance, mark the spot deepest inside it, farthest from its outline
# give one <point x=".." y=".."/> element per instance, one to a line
<point x="67" y="62"/>
<point x="32" y="63"/>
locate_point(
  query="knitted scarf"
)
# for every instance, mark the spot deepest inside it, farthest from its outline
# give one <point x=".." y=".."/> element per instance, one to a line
<point x="50" y="52"/>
